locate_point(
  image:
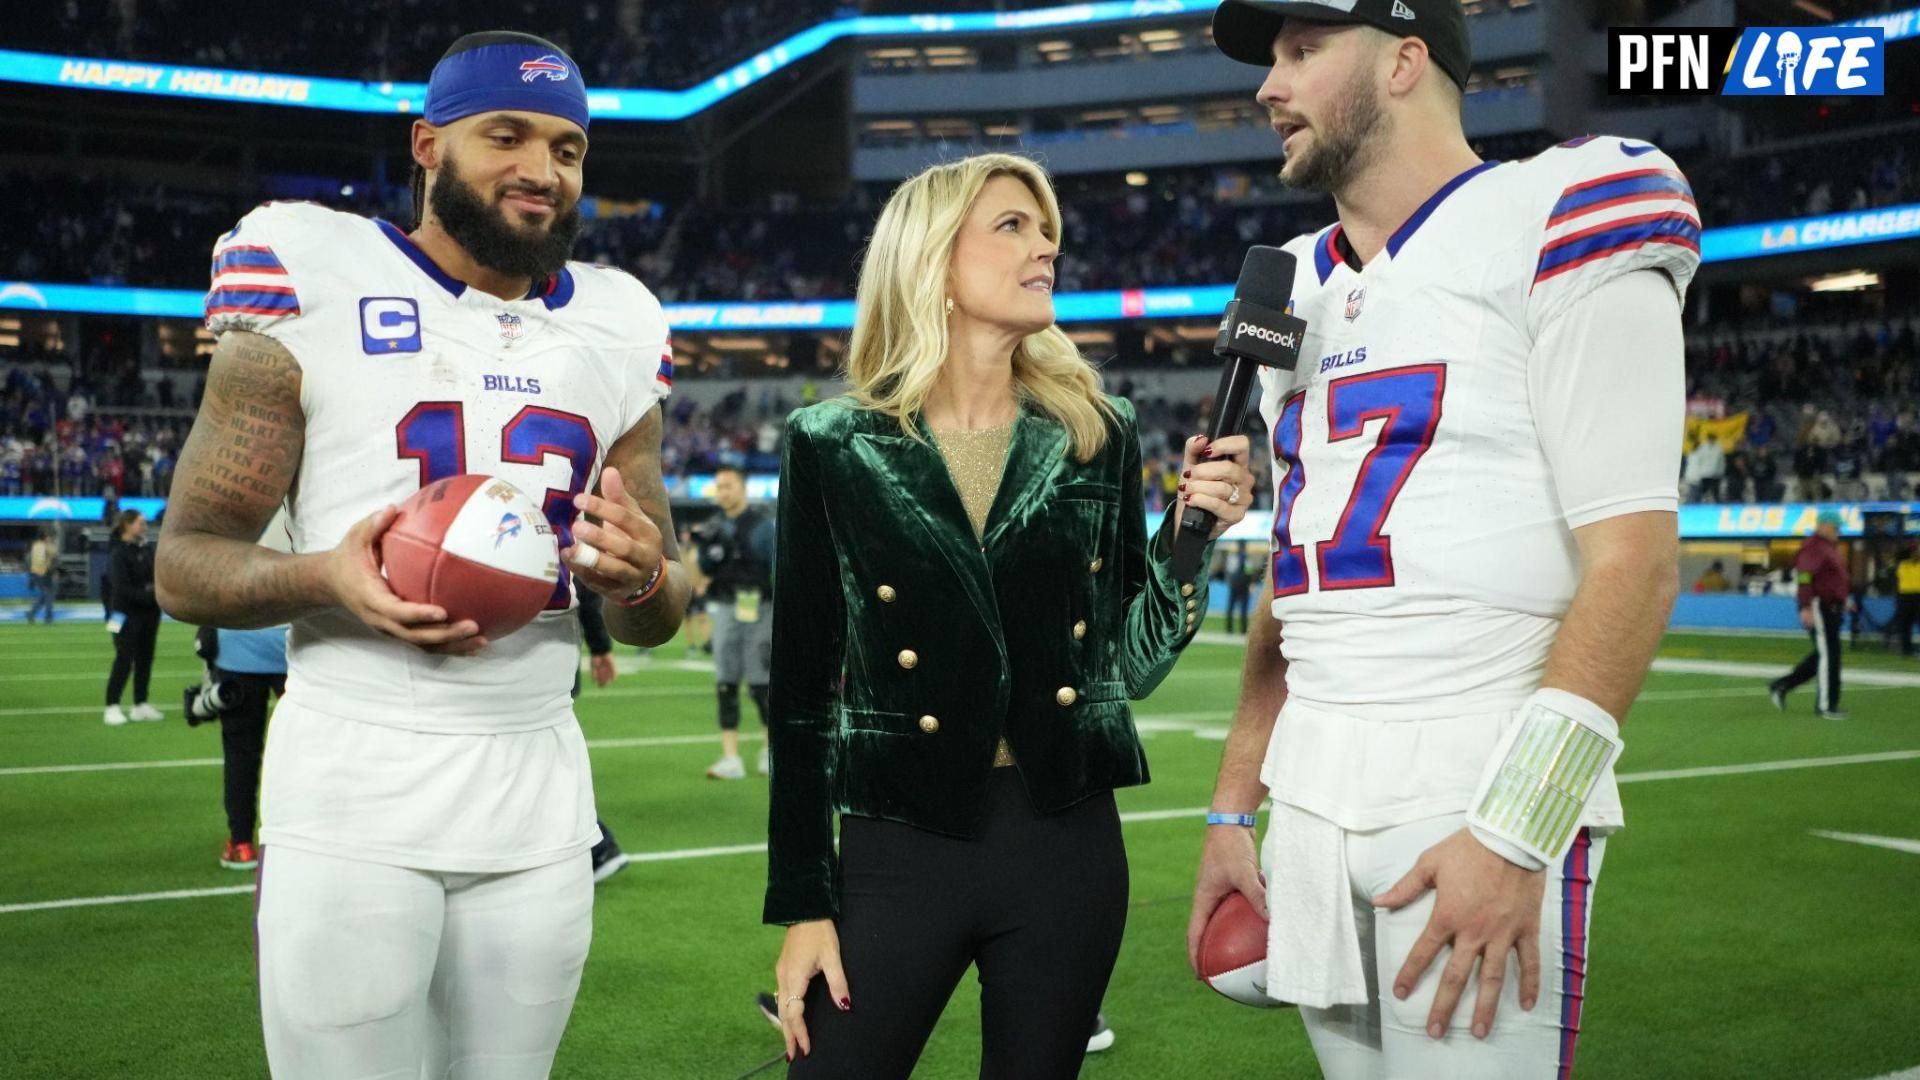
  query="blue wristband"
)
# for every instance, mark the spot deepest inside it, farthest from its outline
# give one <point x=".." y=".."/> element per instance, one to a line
<point x="1247" y="820"/>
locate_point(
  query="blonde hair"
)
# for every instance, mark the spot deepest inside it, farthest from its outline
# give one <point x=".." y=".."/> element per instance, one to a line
<point x="900" y="338"/>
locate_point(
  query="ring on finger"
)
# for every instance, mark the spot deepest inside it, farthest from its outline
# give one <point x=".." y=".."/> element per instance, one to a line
<point x="1233" y="495"/>
<point x="786" y="1001"/>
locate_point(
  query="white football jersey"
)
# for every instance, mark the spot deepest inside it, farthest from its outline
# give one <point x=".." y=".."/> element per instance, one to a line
<point x="408" y="376"/>
<point x="1423" y="551"/>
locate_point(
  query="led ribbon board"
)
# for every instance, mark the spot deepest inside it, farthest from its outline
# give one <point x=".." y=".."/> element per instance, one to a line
<point x="407" y="98"/>
<point x="1724" y="244"/>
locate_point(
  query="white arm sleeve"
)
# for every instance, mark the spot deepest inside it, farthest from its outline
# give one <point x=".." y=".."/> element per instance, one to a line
<point x="1607" y="382"/>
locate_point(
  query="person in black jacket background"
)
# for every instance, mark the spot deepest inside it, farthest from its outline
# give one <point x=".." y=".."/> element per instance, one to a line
<point x="133" y="617"/>
<point x="608" y="859"/>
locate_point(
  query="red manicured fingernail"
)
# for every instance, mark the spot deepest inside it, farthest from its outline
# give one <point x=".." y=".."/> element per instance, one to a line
<point x="1183" y="487"/>
<point x="846" y="1004"/>
<point x="1186" y="498"/>
<point x="1188" y="474"/>
<point x="789" y="1059"/>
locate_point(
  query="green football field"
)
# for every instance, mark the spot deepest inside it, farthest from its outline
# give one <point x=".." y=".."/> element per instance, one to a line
<point x="1731" y="937"/>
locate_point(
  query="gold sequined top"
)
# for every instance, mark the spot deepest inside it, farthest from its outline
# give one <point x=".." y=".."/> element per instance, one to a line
<point x="976" y="459"/>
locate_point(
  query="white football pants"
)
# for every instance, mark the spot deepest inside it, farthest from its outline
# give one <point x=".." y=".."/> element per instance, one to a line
<point x="1387" y="1039"/>
<point x="372" y="972"/>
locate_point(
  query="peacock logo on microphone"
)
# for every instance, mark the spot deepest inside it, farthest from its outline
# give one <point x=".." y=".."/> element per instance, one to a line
<point x="1284" y="339"/>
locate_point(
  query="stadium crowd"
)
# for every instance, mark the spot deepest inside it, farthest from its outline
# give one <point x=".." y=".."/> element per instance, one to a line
<point x="1828" y="412"/>
<point x="1818" y="414"/>
<point x="664" y="45"/>
<point x="57" y="440"/>
<point x="1184" y="227"/>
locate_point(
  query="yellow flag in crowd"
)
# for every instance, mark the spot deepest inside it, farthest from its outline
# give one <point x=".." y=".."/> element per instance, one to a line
<point x="1729" y="431"/>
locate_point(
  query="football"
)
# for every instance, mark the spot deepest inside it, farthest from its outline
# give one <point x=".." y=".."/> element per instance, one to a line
<point x="476" y="546"/>
<point x="1233" y="953"/>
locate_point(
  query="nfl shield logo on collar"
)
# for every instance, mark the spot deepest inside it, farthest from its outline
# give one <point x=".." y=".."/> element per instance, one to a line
<point x="510" y="327"/>
<point x="1354" y="299"/>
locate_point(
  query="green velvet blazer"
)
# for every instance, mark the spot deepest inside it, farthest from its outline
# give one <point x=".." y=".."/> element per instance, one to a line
<point x="904" y="647"/>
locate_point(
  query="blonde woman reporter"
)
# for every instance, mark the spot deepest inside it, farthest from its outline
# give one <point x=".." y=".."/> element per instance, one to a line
<point x="968" y="595"/>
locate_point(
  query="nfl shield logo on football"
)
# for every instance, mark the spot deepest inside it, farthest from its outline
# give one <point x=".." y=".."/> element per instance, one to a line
<point x="1354" y="299"/>
<point x="510" y="327"/>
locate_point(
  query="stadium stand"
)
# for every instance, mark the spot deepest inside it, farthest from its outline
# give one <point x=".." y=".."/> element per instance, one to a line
<point x="1171" y="227"/>
<point x="659" y="44"/>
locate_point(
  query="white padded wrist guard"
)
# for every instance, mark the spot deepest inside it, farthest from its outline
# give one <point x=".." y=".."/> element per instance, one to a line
<point x="1536" y="786"/>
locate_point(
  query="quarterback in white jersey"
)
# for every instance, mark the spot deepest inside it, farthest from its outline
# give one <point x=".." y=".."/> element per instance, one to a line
<point x="1473" y="553"/>
<point x="427" y="807"/>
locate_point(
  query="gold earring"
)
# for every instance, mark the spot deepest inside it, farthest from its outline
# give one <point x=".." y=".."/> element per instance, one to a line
<point x="949" y="305"/>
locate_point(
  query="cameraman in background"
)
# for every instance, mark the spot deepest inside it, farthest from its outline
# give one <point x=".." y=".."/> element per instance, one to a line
<point x="243" y="668"/>
<point x="733" y="552"/>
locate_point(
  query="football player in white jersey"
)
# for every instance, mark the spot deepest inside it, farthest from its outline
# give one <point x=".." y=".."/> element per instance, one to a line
<point x="425" y="895"/>
<point x="1474" y="552"/>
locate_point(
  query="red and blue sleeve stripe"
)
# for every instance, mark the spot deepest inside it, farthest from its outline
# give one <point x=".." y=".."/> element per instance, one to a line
<point x="666" y="369"/>
<point x="252" y="300"/>
<point x="1576" y="896"/>
<point x="1604" y="192"/>
<point x="248" y="259"/>
<point x="1577" y="249"/>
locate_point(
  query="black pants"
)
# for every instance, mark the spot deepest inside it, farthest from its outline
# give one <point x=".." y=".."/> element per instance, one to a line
<point x="1822" y="665"/>
<point x="1240" y="603"/>
<point x="607" y="848"/>
<point x="1038" y="902"/>
<point x="133" y="650"/>
<point x="243" y="737"/>
<point x="1906" y="614"/>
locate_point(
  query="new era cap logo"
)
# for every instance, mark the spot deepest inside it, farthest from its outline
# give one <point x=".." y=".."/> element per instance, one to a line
<point x="1402" y="11"/>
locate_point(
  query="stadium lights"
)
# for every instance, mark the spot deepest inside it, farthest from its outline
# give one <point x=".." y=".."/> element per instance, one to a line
<point x="1846" y="281"/>
<point x="1136" y="179"/>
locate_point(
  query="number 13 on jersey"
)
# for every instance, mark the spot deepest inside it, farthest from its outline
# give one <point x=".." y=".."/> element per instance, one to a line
<point x="1358" y="555"/>
<point x="435" y="434"/>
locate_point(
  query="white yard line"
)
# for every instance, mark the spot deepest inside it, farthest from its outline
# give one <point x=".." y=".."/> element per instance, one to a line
<point x="1137" y="816"/>
<point x="1148" y="723"/>
<point x="688" y="690"/>
<point x="130" y="898"/>
<point x="1767" y="766"/>
<point x="1892" y="843"/>
<point x="1851" y="675"/>
<point x="111" y="766"/>
<point x="99" y="676"/>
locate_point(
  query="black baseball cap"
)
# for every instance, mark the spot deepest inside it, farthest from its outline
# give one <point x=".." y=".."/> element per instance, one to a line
<point x="1245" y="29"/>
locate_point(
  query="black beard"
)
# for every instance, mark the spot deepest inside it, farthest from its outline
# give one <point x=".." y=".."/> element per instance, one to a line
<point x="1343" y="146"/>
<point x="483" y="231"/>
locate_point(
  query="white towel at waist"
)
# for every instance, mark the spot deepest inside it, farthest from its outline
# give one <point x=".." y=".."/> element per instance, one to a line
<point x="1313" y="943"/>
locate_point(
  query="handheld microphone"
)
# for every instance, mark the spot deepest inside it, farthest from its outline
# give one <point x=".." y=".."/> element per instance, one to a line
<point x="1257" y="331"/>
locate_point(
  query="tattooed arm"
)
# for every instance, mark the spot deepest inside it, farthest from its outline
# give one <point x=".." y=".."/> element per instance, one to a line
<point x="239" y="462"/>
<point x="241" y="457"/>
<point x="631" y="526"/>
